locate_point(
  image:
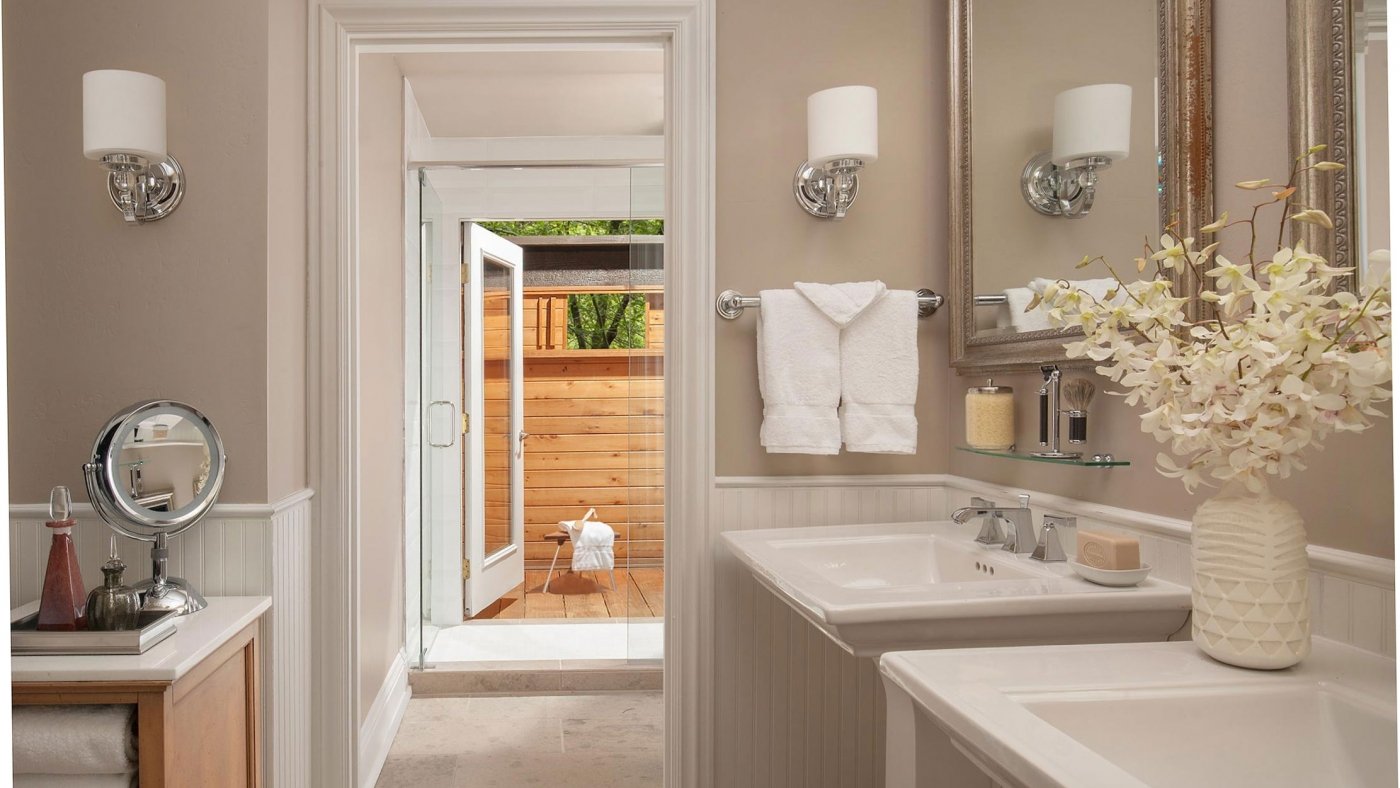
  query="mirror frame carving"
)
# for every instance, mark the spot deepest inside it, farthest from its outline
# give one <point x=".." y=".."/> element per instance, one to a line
<point x="1320" y="83"/>
<point x="1185" y="126"/>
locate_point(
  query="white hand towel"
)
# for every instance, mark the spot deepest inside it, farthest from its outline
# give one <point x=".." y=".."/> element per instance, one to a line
<point x="880" y="376"/>
<point x="593" y="543"/>
<point x="73" y="739"/>
<point x="74" y="780"/>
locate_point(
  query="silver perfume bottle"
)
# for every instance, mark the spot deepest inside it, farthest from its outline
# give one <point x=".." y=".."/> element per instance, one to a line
<point x="113" y="607"/>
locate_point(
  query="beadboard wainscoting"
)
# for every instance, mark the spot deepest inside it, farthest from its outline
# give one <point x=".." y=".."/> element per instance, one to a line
<point x="237" y="550"/>
<point x="794" y="709"/>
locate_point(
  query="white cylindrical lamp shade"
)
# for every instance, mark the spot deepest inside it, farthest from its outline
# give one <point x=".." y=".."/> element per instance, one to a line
<point x="843" y="123"/>
<point x="1093" y="120"/>
<point x="123" y="112"/>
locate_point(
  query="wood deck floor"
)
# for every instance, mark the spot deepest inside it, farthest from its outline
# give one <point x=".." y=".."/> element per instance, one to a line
<point x="639" y="594"/>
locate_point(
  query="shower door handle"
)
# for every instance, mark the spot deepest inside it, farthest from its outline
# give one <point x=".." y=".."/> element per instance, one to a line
<point x="520" y="446"/>
<point x="451" y="424"/>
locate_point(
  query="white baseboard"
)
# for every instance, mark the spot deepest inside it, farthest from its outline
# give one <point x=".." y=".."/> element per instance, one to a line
<point x="382" y="722"/>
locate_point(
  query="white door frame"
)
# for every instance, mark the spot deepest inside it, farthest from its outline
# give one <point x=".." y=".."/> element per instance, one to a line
<point x="337" y="35"/>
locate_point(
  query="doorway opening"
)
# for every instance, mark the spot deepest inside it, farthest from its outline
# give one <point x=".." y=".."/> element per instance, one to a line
<point x="539" y="365"/>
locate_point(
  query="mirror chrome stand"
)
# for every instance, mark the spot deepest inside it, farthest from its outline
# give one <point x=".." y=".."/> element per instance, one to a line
<point x="1050" y="417"/>
<point x="163" y="592"/>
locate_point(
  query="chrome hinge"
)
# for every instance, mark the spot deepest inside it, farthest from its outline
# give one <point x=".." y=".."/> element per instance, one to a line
<point x="466" y="570"/>
<point x="466" y="424"/>
<point x="466" y="273"/>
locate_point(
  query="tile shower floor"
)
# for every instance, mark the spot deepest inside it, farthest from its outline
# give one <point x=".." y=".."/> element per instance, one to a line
<point x="611" y="740"/>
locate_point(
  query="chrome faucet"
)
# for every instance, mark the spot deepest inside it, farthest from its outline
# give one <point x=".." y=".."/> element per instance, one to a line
<point x="1020" y="535"/>
<point x="1055" y="530"/>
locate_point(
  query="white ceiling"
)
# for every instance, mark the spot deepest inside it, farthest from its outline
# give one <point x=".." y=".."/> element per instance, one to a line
<point x="538" y="94"/>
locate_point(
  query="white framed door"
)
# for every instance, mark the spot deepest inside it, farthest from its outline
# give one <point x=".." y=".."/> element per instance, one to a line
<point x="494" y="371"/>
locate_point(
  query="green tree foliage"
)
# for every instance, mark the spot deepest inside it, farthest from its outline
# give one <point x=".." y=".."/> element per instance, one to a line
<point x="577" y="227"/>
<point x="607" y="320"/>
<point x="596" y="320"/>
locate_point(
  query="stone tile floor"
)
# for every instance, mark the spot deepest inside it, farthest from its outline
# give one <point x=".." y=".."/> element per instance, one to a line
<point x="581" y="740"/>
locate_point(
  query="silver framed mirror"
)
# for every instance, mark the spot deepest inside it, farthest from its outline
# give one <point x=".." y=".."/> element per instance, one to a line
<point x="156" y="470"/>
<point x="1010" y="224"/>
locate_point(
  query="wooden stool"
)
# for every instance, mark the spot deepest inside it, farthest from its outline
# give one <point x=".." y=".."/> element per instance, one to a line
<point x="558" y="538"/>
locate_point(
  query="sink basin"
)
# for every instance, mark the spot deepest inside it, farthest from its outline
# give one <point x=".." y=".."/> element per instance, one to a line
<point x="1314" y="734"/>
<point x="1136" y="715"/>
<point x="894" y="586"/>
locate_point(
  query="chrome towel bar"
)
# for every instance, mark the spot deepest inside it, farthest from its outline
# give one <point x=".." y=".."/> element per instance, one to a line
<point x="731" y="304"/>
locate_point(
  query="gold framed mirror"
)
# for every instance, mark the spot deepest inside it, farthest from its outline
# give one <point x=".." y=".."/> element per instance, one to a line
<point x="1012" y="80"/>
<point x="1337" y="97"/>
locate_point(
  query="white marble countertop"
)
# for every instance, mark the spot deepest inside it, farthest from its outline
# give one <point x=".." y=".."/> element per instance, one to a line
<point x="1133" y="715"/>
<point x="197" y="636"/>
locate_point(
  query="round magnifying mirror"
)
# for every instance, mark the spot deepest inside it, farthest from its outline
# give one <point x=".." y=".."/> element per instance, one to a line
<point x="155" y="471"/>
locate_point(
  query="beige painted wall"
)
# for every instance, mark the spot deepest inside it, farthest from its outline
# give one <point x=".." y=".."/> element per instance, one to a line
<point x="101" y="314"/>
<point x="770" y="56"/>
<point x="286" y="248"/>
<point x="381" y="212"/>
<point x="1014" y="84"/>
<point x="1347" y="496"/>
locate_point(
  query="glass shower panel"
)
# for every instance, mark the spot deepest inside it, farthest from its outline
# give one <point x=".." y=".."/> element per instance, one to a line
<point x="646" y="467"/>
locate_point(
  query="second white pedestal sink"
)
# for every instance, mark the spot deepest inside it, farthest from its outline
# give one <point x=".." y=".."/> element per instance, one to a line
<point x="897" y="586"/>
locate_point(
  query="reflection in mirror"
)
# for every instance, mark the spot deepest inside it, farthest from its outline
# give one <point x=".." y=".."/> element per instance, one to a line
<point x="1372" y="166"/>
<point x="500" y="449"/>
<point x="1014" y="88"/>
<point x="166" y="462"/>
<point x="1337" y="54"/>
<point x="1060" y="152"/>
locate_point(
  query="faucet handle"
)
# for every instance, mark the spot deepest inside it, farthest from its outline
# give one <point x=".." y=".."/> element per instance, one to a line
<point x="1024" y="501"/>
<point x="1049" y="547"/>
<point x="978" y="502"/>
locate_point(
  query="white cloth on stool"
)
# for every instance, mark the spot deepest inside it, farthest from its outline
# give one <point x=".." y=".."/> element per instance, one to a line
<point x="593" y="543"/>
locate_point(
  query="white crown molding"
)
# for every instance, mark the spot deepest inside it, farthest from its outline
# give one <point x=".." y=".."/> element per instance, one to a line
<point x="1327" y="560"/>
<point x="220" y="511"/>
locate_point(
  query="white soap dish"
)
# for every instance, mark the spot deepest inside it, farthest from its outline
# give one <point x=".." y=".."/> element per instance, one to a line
<point x="1118" y="578"/>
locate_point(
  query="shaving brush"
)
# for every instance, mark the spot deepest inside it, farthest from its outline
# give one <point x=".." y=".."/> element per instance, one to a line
<point x="1078" y="393"/>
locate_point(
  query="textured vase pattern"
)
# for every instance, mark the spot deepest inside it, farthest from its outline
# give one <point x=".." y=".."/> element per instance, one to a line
<point x="1249" y="589"/>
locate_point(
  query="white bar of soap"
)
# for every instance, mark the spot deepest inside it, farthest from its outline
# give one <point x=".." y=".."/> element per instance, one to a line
<point x="1108" y="551"/>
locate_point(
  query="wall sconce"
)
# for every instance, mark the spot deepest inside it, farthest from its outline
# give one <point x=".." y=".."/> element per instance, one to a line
<point x="1092" y="125"/>
<point x="842" y="137"/>
<point x="124" y="128"/>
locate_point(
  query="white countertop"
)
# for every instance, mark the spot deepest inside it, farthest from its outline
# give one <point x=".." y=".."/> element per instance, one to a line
<point x="197" y="636"/>
<point x="1132" y="715"/>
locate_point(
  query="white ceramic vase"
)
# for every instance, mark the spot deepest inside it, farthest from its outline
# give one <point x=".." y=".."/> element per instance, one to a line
<point x="1249" y="580"/>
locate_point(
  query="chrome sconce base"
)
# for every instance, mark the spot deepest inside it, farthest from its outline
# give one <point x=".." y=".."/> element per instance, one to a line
<point x="1062" y="191"/>
<point x="144" y="191"/>
<point x="827" y="192"/>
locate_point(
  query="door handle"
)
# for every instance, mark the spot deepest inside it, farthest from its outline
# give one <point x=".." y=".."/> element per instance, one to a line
<point x="520" y="445"/>
<point x="451" y="421"/>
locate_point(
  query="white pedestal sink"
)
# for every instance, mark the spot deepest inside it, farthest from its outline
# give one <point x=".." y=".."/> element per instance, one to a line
<point x="897" y="586"/>
<point x="1136" y="715"/>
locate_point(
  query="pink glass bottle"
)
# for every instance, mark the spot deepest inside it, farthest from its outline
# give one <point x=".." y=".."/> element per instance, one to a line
<point x="62" y="607"/>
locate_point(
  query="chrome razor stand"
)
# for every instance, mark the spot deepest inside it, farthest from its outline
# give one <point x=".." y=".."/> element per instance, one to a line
<point x="1050" y="416"/>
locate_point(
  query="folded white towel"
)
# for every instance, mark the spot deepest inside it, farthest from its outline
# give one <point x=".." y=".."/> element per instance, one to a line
<point x="73" y="739"/>
<point x="593" y="543"/>
<point x="880" y="376"/>
<point x="74" y="780"/>
<point x="799" y="366"/>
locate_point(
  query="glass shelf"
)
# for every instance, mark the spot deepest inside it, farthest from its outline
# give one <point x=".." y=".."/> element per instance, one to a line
<point x="1082" y="462"/>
